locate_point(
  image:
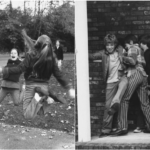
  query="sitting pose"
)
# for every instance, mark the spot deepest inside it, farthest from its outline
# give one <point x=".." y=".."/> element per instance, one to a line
<point x="38" y="66"/>
<point x="11" y="85"/>
<point x="114" y="76"/>
<point x="137" y="81"/>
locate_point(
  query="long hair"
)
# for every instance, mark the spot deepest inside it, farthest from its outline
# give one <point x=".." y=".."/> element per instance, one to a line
<point x="44" y="65"/>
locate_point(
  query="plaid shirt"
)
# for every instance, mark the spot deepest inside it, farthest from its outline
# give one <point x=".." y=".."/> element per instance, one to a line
<point x="134" y="60"/>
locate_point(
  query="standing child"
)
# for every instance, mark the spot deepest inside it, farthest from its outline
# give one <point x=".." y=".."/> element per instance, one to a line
<point x="116" y="81"/>
<point x="59" y="54"/>
<point x="145" y="46"/>
<point x="38" y="66"/>
<point x="11" y="84"/>
<point x="137" y="81"/>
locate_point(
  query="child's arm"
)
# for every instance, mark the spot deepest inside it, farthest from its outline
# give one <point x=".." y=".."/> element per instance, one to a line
<point x="61" y="78"/>
<point x="97" y="55"/>
<point x="131" y="58"/>
<point x="18" y="69"/>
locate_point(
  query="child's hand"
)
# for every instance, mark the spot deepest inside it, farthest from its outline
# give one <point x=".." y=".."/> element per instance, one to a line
<point x="72" y="93"/>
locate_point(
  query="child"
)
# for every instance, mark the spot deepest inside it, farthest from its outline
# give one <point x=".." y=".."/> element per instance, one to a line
<point x="137" y="81"/>
<point x="38" y="66"/>
<point x="11" y="84"/>
<point x="59" y="54"/>
<point x="115" y="78"/>
<point x="145" y="46"/>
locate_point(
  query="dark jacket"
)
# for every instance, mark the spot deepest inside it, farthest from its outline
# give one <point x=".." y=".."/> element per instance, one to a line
<point x="103" y="54"/>
<point x="13" y="77"/>
<point x="147" y="67"/>
<point x="59" y="53"/>
<point x="30" y="76"/>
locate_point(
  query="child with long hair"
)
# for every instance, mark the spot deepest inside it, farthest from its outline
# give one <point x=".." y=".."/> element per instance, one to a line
<point x="11" y="85"/>
<point x="38" y="66"/>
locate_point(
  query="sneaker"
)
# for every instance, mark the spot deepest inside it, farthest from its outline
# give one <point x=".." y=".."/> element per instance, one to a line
<point x="102" y="134"/>
<point x="114" y="129"/>
<point x="137" y="130"/>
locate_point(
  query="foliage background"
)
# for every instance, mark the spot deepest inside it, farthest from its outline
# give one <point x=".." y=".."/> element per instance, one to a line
<point x="56" y="21"/>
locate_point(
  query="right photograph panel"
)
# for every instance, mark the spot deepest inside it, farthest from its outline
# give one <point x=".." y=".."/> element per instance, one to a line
<point x="112" y="40"/>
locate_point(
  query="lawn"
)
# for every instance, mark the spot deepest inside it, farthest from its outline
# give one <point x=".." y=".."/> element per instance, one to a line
<point x="59" y="116"/>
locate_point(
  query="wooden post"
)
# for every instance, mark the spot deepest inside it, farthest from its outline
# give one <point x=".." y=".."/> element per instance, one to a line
<point x="82" y="68"/>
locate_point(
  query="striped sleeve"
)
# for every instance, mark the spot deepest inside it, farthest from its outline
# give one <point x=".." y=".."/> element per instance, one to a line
<point x="131" y="59"/>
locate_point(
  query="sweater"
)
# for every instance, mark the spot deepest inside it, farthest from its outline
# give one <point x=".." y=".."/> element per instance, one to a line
<point x="12" y="81"/>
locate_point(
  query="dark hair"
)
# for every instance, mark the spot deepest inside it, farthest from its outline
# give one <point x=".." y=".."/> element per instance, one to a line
<point x="16" y="50"/>
<point x="44" y="65"/>
<point x="110" y="38"/>
<point x="130" y="38"/>
<point x="58" y="41"/>
<point x="145" y="39"/>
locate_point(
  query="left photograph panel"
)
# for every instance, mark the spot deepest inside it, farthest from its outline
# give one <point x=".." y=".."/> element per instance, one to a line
<point x="37" y="69"/>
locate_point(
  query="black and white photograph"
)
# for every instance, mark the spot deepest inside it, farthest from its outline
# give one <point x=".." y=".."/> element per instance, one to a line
<point x="112" y="40"/>
<point x="37" y="68"/>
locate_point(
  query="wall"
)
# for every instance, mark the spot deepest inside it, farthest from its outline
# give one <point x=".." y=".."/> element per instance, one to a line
<point x="120" y="18"/>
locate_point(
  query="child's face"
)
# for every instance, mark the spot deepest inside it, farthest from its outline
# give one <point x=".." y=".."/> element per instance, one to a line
<point x="127" y="46"/>
<point x="57" y="43"/>
<point x="110" y="47"/>
<point x="143" y="46"/>
<point x="13" y="54"/>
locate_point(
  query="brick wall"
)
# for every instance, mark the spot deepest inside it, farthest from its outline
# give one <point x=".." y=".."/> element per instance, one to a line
<point x="120" y="18"/>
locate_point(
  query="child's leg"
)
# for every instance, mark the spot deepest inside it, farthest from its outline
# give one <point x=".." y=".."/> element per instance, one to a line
<point x="56" y="97"/>
<point x="49" y="92"/>
<point x="15" y="95"/>
<point x="111" y="90"/>
<point x="3" y="93"/>
<point x="30" y="105"/>
<point x="121" y="90"/>
<point x="140" y="119"/>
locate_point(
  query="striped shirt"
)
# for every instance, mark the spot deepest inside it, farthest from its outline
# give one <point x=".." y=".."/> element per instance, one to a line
<point x="134" y="60"/>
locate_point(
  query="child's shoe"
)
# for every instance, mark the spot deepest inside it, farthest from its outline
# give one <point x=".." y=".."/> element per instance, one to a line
<point x="137" y="130"/>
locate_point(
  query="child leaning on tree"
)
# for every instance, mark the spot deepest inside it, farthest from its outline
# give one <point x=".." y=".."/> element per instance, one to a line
<point x="115" y="78"/>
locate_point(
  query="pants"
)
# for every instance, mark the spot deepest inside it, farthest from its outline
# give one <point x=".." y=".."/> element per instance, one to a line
<point x="15" y="94"/>
<point x="30" y="106"/>
<point x="140" y="122"/>
<point x="137" y="82"/>
<point x="114" y="93"/>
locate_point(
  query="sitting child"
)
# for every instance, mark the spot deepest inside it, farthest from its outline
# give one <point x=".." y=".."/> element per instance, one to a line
<point x="11" y="85"/>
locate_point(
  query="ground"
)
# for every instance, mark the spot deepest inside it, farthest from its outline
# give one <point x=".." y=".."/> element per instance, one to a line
<point x="54" y="130"/>
<point x="129" y="141"/>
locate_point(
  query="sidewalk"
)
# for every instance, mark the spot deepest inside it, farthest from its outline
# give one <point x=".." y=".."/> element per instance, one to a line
<point x="129" y="141"/>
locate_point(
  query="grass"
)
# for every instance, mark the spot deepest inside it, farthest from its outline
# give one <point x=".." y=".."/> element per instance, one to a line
<point x="59" y="117"/>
